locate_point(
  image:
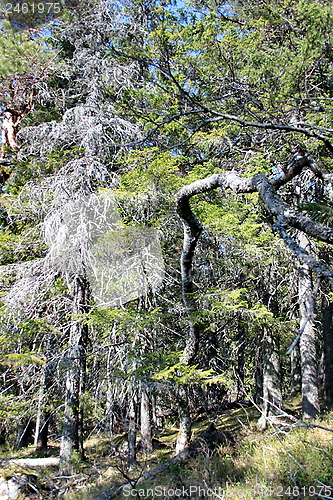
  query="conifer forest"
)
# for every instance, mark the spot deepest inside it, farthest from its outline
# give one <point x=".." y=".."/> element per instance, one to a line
<point x="166" y="245"/>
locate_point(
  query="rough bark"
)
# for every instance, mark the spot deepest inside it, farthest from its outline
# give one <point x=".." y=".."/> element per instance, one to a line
<point x="272" y="393"/>
<point x="308" y="338"/>
<point x="110" y="394"/>
<point x="145" y="429"/>
<point x="72" y="433"/>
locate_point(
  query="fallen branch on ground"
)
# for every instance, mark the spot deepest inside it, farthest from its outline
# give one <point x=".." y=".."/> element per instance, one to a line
<point x="208" y="439"/>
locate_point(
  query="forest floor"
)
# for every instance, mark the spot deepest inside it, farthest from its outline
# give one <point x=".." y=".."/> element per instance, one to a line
<point x="290" y="460"/>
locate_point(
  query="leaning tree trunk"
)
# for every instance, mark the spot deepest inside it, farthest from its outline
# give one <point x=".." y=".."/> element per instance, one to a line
<point x="308" y="339"/>
<point x="272" y="393"/>
<point x="72" y="433"/>
<point x="192" y="230"/>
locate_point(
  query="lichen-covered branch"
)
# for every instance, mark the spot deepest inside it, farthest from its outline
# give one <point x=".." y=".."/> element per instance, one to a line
<point x="285" y="216"/>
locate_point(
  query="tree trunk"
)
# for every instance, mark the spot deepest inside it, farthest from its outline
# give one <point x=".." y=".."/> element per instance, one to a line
<point x="25" y="434"/>
<point x="146" y="432"/>
<point x="42" y="423"/>
<point x="296" y="373"/>
<point x="327" y="316"/>
<point x="185" y="424"/>
<point x="258" y="373"/>
<point x="132" y="411"/>
<point x="72" y="434"/>
<point x="10" y="122"/>
<point x="272" y="394"/>
<point x="110" y="395"/>
<point x="240" y="369"/>
<point x="307" y="343"/>
<point x="43" y="414"/>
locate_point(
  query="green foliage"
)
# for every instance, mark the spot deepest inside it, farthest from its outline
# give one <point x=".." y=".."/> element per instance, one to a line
<point x="181" y="374"/>
<point x="19" y="359"/>
<point x="151" y="170"/>
<point x="17" y="51"/>
<point x="318" y="212"/>
<point x="38" y="168"/>
<point x="12" y="249"/>
<point x="307" y="453"/>
<point x="237" y="218"/>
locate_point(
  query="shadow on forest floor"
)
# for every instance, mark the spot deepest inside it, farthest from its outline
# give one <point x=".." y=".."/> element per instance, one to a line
<point x="273" y="464"/>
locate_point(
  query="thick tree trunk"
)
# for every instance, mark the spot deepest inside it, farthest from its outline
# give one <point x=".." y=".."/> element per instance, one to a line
<point x="272" y="393"/>
<point x="308" y="339"/>
<point x="146" y="432"/>
<point x="185" y="423"/>
<point x="72" y="433"/>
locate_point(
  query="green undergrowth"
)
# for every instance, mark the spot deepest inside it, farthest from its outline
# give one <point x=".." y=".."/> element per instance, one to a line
<point x="282" y="462"/>
<point x="286" y="460"/>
